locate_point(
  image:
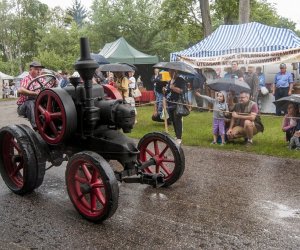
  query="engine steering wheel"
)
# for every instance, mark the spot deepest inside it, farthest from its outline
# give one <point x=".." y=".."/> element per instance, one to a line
<point x="42" y="84"/>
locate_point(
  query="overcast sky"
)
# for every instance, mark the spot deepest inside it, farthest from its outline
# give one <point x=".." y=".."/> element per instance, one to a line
<point x="66" y="3"/>
<point x="285" y="8"/>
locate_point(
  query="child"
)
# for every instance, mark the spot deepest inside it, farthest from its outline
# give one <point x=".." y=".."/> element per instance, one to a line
<point x="289" y="121"/>
<point x="219" y="107"/>
<point x="294" y="141"/>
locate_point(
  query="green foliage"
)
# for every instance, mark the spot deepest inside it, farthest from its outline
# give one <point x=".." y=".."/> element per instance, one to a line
<point x="59" y="48"/>
<point x="78" y="12"/>
<point x="197" y="131"/>
<point x="30" y="30"/>
<point x="137" y="21"/>
<point x="226" y="12"/>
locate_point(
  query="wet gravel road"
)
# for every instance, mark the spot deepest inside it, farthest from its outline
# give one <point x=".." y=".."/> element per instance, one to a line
<point x="224" y="200"/>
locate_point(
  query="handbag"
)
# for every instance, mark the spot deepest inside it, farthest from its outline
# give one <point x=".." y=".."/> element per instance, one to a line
<point x="181" y="108"/>
<point x="136" y="93"/>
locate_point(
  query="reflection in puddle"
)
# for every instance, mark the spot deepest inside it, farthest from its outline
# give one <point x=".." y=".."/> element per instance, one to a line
<point x="158" y="197"/>
<point x="282" y="211"/>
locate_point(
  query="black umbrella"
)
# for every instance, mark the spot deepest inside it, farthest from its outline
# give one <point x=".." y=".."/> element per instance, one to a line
<point x="283" y="102"/>
<point x="115" y="67"/>
<point x="228" y="84"/>
<point x="131" y="65"/>
<point x="160" y="65"/>
<point x="99" y="59"/>
<point x="179" y="66"/>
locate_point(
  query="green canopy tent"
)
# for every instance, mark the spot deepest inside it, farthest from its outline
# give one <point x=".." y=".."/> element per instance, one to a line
<point x="121" y="51"/>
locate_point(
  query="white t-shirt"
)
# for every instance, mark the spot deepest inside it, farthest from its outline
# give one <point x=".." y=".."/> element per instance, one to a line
<point x="132" y="84"/>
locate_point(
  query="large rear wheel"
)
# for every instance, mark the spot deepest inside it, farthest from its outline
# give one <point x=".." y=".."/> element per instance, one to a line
<point x="168" y="155"/>
<point x="55" y="115"/>
<point x="92" y="186"/>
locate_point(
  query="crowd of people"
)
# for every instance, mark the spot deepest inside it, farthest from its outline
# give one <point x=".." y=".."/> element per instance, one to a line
<point x="235" y="115"/>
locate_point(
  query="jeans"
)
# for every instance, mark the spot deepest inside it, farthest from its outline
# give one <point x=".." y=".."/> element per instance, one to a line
<point x="159" y="102"/>
<point x="280" y="92"/>
<point x="26" y="109"/>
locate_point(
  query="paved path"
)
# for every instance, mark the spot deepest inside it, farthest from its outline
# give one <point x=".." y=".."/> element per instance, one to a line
<point x="224" y="200"/>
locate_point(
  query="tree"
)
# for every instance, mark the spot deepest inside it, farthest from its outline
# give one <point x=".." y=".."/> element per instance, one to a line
<point x="59" y="47"/>
<point x="78" y="12"/>
<point x="20" y="22"/>
<point x="244" y="11"/>
<point x="137" y="21"/>
<point x="206" y="19"/>
<point x="225" y="12"/>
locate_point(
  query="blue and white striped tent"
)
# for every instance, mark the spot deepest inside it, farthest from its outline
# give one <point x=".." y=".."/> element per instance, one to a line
<point x="240" y="40"/>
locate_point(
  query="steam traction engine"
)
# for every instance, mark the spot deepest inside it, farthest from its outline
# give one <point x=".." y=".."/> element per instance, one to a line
<point x="82" y="124"/>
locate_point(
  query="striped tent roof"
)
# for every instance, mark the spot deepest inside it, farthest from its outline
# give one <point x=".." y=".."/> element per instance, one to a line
<point x="243" y="38"/>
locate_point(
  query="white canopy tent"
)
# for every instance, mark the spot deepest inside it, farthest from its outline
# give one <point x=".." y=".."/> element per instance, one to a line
<point x="4" y="78"/>
<point x="250" y="43"/>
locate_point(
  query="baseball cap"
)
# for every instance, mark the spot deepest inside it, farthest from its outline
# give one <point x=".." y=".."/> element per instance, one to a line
<point x="36" y="64"/>
<point x="282" y="65"/>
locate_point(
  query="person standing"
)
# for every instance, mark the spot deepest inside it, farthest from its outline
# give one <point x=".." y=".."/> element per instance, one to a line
<point x="235" y="72"/>
<point x="252" y="80"/>
<point x="219" y="108"/>
<point x="175" y="88"/>
<point x="65" y="80"/>
<point x="132" y="85"/>
<point x="122" y="84"/>
<point x="158" y="91"/>
<point x="282" y="86"/>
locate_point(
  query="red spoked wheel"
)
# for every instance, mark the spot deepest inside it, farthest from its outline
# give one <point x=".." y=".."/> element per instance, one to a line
<point x="55" y="115"/>
<point x="111" y="92"/>
<point x="18" y="164"/>
<point x="92" y="186"/>
<point x="169" y="157"/>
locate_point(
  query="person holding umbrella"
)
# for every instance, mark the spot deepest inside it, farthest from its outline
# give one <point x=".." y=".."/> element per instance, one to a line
<point x="175" y="88"/>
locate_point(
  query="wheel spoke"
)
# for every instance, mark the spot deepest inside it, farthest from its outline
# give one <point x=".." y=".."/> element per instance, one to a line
<point x="15" y="145"/>
<point x="81" y="180"/>
<point x="16" y="169"/>
<point x="56" y="115"/>
<point x="53" y="128"/>
<point x="94" y="176"/>
<point x="100" y="196"/>
<point x="49" y="104"/>
<point x="166" y="169"/>
<point x="41" y="109"/>
<point x="86" y="172"/>
<point x="168" y="160"/>
<point x="164" y="151"/>
<point x="156" y="149"/>
<point x="149" y="152"/>
<point x="93" y="202"/>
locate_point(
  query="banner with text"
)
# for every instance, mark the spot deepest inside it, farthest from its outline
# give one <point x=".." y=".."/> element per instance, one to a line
<point x="254" y="58"/>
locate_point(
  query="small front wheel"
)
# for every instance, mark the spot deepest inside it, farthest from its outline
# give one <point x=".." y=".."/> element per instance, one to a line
<point x="92" y="186"/>
<point x="168" y="155"/>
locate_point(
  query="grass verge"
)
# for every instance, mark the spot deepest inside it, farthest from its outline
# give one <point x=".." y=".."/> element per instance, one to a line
<point x="197" y="131"/>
